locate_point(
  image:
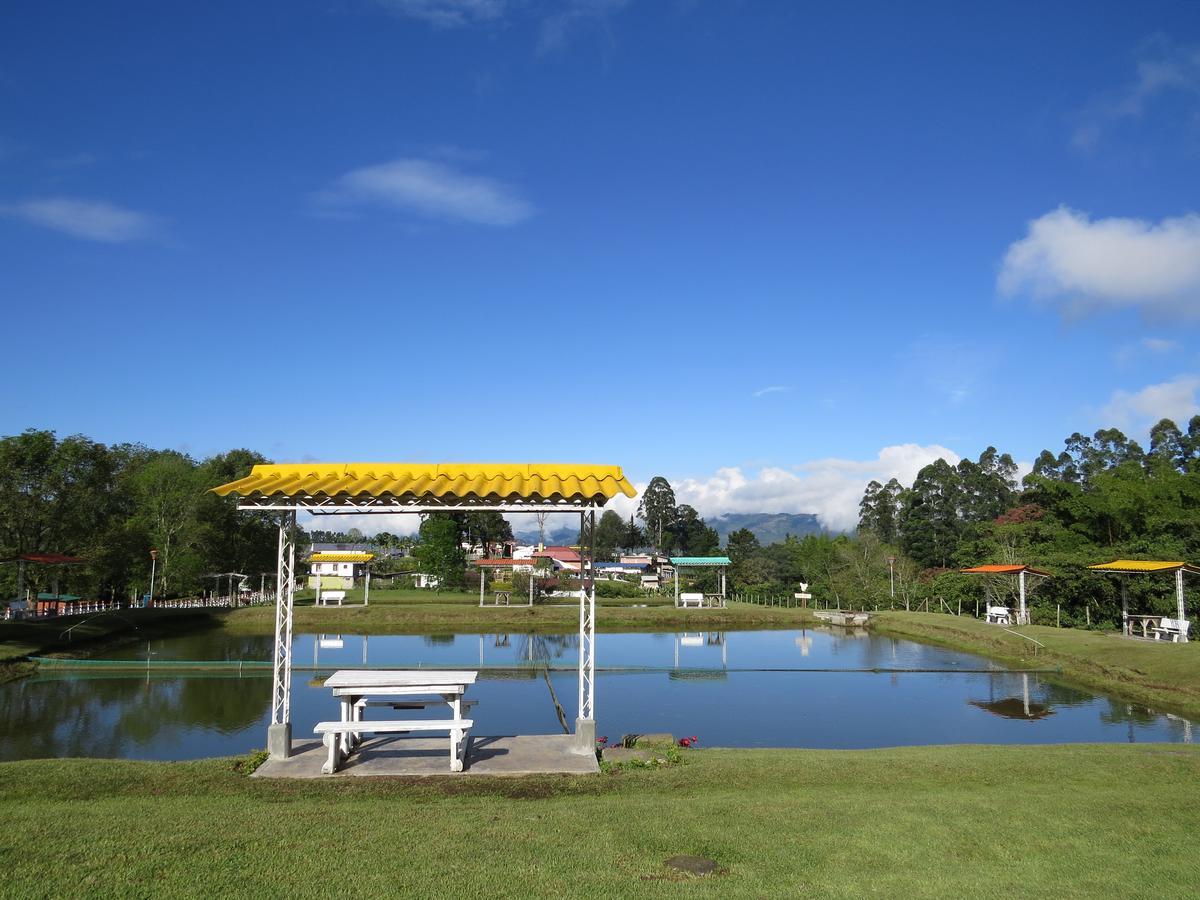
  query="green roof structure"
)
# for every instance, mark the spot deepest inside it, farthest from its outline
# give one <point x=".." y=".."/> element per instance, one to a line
<point x="701" y="561"/>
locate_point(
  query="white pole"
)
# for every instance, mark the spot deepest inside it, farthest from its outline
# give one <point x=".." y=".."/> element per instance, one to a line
<point x="1179" y="596"/>
<point x="582" y="624"/>
<point x="482" y="575"/>
<point x="676" y="570"/>
<point x="367" y="590"/>
<point x="1021" y="578"/>
<point x="1124" y="605"/>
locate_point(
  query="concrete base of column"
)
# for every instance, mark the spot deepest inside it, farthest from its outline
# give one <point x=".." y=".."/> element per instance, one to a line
<point x="585" y="735"/>
<point x="279" y="740"/>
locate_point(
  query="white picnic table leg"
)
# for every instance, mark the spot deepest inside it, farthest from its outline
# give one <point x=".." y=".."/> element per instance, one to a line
<point x="332" y="741"/>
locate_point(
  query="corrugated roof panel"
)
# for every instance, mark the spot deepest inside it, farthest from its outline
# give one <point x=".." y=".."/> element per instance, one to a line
<point x="1003" y="569"/>
<point x="701" y="561"/>
<point x="345" y="556"/>
<point x="484" y="481"/>
<point x="1140" y="565"/>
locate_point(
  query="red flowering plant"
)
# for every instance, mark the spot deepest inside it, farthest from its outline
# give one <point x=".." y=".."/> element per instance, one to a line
<point x="687" y="742"/>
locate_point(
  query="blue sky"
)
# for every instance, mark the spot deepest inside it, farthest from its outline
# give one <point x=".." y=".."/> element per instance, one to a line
<point x="767" y="250"/>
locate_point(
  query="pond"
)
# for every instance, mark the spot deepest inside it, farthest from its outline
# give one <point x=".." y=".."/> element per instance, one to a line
<point x="799" y="688"/>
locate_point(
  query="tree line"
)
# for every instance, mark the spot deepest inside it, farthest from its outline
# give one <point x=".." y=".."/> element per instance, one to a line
<point x="112" y="504"/>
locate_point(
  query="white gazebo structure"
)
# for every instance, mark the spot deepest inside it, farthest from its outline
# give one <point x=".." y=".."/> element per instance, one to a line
<point x="1018" y="570"/>
<point x="1126" y="567"/>
<point x="324" y="489"/>
<point x="720" y="563"/>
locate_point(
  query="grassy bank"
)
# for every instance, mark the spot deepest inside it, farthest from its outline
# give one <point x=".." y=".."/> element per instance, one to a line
<point x="1156" y="674"/>
<point x="1067" y="821"/>
<point x="426" y="612"/>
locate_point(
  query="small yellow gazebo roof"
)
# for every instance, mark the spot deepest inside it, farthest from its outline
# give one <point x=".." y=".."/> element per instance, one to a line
<point x="341" y="556"/>
<point x="1141" y="566"/>
<point x="478" y="482"/>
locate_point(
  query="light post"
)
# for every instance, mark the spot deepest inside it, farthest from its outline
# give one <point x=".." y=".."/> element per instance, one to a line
<point x="892" y="576"/>
<point x="153" y="561"/>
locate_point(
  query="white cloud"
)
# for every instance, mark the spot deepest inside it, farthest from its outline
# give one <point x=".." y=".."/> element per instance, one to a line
<point x="369" y="524"/>
<point x="1108" y="264"/>
<point x="86" y="219"/>
<point x="447" y="13"/>
<point x="773" y="389"/>
<point x="558" y="27"/>
<point x="1162" y="68"/>
<point x="1160" y="345"/>
<point x="831" y="488"/>
<point x="1175" y="400"/>
<point x="431" y="189"/>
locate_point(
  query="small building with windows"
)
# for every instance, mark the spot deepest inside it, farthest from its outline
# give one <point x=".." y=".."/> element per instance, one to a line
<point x="337" y="569"/>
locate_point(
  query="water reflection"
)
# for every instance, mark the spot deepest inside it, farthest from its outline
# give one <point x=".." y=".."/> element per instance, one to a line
<point x="1021" y="707"/>
<point x="777" y="688"/>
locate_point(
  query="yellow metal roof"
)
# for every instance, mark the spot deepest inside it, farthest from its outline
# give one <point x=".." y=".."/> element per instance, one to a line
<point x="1141" y="565"/>
<point x="444" y="481"/>
<point x="352" y="556"/>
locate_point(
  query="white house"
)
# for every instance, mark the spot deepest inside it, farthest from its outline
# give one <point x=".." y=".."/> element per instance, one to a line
<point x="337" y="570"/>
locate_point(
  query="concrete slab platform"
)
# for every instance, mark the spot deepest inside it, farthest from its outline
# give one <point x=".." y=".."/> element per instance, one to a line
<point x="506" y="755"/>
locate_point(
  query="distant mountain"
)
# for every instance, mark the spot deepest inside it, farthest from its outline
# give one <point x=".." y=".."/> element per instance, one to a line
<point x="769" y="528"/>
<point x="559" y="537"/>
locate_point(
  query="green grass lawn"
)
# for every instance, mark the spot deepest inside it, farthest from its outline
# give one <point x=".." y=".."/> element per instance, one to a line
<point x="425" y="612"/>
<point x="1155" y="673"/>
<point x="1063" y="821"/>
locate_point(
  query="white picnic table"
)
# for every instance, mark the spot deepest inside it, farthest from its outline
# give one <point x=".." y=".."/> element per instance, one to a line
<point x="400" y="689"/>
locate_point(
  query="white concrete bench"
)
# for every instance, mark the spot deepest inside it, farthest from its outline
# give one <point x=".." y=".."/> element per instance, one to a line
<point x="998" y="615"/>
<point x="459" y="730"/>
<point x="1172" y="630"/>
<point x="696" y="600"/>
<point x="327" y="596"/>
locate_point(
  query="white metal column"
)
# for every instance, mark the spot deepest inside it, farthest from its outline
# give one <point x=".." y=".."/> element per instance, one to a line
<point x="279" y="735"/>
<point x="1124" y="604"/>
<point x="1179" y="596"/>
<point x="585" y="724"/>
<point x="1023" y="617"/>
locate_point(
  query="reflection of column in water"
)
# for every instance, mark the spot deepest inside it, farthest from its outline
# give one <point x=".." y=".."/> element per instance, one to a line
<point x="724" y="652"/>
<point x="804" y="642"/>
<point x="1025" y="689"/>
<point x="481" y="651"/>
<point x="677" y="650"/>
<point x="364" y="650"/>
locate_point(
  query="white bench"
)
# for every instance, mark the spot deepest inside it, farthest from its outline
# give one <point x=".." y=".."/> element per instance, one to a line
<point x="459" y="729"/>
<point x="326" y="596"/>
<point x="696" y="600"/>
<point x="998" y="615"/>
<point x="1172" y="630"/>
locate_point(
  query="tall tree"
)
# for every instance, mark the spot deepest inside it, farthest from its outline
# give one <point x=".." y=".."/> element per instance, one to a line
<point x="610" y="534"/>
<point x="692" y="534"/>
<point x="168" y="488"/>
<point x="879" y="510"/>
<point x="440" y="550"/>
<point x="657" y="510"/>
<point x="931" y="525"/>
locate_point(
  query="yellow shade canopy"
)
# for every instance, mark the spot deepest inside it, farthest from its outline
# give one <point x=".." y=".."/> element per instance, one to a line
<point x="437" y="482"/>
<point x="345" y="556"/>
<point x="1137" y="566"/>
